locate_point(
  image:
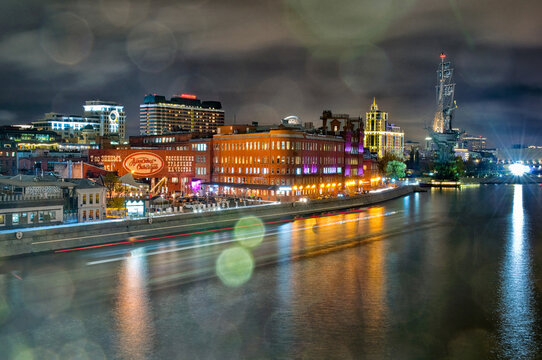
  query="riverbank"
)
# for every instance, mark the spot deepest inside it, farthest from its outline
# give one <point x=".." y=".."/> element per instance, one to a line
<point x="31" y="241"/>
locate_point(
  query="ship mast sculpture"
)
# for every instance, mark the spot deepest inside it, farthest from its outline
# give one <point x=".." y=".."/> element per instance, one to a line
<point x="443" y="136"/>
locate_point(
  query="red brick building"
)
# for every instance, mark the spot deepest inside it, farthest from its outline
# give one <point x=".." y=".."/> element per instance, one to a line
<point x="176" y="171"/>
<point x="284" y="162"/>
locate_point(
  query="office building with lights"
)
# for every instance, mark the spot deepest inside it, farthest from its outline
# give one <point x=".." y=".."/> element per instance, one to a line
<point x="109" y="115"/>
<point x="183" y="112"/>
<point x="100" y="118"/>
<point x="381" y="136"/>
<point x="67" y="126"/>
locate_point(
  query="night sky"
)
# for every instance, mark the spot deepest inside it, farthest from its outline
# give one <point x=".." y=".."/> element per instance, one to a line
<point x="268" y="59"/>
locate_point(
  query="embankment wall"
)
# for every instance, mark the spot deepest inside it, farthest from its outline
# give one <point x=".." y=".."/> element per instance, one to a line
<point x="29" y="241"/>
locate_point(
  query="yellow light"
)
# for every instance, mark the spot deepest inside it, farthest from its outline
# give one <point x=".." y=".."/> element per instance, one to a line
<point x="333" y="184"/>
<point x="321" y="185"/>
<point x="328" y="185"/>
<point x="301" y="187"/>
<point x="295" y="187"/>
<point x="313" y="186"/>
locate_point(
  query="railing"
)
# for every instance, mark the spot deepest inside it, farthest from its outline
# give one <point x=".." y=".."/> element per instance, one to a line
<point x="33" y="197"/>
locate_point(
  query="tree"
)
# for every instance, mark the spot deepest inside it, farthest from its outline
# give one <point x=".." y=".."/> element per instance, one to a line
<point x="111" y="182"/>
<point x="382" y="163"/>
<point x="395" y="169"/>
<point x="116" y="203"/>
<point x="459" y="166"/>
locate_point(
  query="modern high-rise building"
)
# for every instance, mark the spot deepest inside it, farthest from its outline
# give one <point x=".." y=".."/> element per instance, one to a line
<point x="184" y="112"/>
<point x="381" y="136"/>
<point x="109" y="115"/>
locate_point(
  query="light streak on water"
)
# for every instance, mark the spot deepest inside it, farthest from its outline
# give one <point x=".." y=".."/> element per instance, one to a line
<point x="133" y="310"/>
<point x="234" y="239"/>
<point x="517" y="323"/>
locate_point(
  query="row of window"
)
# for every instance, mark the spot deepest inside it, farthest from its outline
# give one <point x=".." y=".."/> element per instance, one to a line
<point x="298" y="160"/>
<point x="21" y="218"/>
<point x="92" y="198"/>
<point x="284" y="171"/>
<point x="278" y="145"/>
<point x="92" y="215"/>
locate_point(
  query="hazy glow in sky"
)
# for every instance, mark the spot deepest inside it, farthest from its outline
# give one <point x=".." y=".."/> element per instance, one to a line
<point x="268" y="59"/>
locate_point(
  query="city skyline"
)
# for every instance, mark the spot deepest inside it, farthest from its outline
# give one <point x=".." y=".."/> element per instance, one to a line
<point x="268" y="60"/>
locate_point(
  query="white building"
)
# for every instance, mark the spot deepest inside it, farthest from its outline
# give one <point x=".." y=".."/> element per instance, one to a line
<point x="91" y="200"/>
<point x="67" y="126"/>
<point x="26" y="201"/>
<point x="109" y="115"/>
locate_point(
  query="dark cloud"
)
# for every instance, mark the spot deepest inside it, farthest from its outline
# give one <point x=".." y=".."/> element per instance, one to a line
<point x="268" y="59"/>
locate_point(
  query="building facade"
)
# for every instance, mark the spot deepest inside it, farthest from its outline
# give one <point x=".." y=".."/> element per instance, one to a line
<point x="91" y="200"/>
<point x="158" y="116"/>
<point x="173" y="172"/>
<point x="99" y="119"/>
<point x="280" y="163"/>
<point x="109" y="115"/>
<point x="67" y="126"/>
<point x="381" y="136"/>
<point x="25" y="137"/>
<point x="26" y="201"/>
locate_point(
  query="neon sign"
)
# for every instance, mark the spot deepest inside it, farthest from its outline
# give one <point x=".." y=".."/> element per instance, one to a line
<point x="143" y="164"/>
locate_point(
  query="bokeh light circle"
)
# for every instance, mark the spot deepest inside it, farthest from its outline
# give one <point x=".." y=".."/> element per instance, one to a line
<point x="249" y="231"/>
<point x="67" y="38"/>
<point x="151" y="46"/>
<point x="47" y="291"/>
<point x="234" y="266"/>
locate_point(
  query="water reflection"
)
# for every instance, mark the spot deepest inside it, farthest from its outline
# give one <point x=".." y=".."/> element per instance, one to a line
<point x="133" y="315"/>
<point x="516" y="302"/>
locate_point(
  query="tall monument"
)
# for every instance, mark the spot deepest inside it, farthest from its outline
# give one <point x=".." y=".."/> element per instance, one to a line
<point x="442" y="134"/>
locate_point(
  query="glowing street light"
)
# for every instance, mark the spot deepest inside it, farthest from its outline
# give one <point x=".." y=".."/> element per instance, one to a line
<point x="518" y="169"/>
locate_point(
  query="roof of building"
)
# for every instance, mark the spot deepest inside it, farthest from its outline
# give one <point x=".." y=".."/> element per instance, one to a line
<point x="31" y="180"/>
<point x="85" y="184"/>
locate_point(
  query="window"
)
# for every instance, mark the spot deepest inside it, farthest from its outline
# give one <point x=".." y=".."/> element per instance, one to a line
<point x="52" y="215"/>
<point x="15" y="218"/>
<point x="2" y="220"/>
<point x="24" y="218"/>
<point x="41" y="216"/>
<point x="32" y="216"/>
<point x="84" y="215"/>
<point x="91" y="215"/>
<point x="90" y="198"/>
<point x="84" y="199"/>
<point x="97" y="198"/>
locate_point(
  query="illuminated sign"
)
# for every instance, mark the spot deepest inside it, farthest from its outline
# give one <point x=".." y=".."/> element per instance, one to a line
<point x="188" y="96"/>
<point x="143" y="163"/>
<point x="135" y="208"/>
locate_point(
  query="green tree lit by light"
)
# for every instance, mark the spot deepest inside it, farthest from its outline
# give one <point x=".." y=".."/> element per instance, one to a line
<point x="395" y="169"/>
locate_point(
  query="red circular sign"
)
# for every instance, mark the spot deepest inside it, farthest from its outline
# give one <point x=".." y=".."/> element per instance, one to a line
<point x="143" y="164"/>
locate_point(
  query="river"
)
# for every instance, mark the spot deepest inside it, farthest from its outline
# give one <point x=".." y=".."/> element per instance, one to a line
<point x="447" y="274"/>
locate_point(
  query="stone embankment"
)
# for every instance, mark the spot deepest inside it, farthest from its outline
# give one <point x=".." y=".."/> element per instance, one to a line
<point x="29" y="241"/>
